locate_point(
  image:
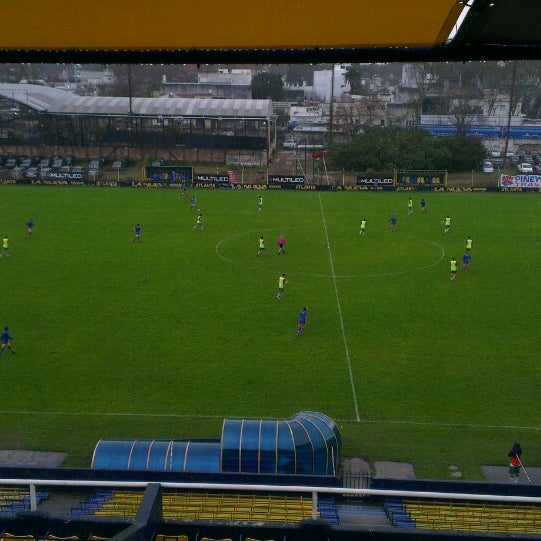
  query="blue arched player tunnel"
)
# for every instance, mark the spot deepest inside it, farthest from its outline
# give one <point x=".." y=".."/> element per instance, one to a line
<point x="309" y="443"/>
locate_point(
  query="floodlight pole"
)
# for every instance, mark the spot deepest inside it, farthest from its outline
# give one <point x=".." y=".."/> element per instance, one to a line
<point x="511" y="99"/>
<point x="331" y="119"/>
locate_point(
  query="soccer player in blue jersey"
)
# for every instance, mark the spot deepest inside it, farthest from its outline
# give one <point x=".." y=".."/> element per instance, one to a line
<point x="466" y="258"/>
<point x="393" y="221"/>
<point x="29" y="227"/>
<point x="137" y="231"/>
<point x="5" y="340"/>
<point x="302" y="321"/>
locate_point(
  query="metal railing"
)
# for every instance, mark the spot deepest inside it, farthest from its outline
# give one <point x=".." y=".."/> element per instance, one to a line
<point x="314" y="491"/>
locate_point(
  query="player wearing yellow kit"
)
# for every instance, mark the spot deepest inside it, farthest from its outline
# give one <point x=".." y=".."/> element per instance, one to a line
<point x="363" y="227"/>
<point x="261" y="250"/>
<point x="281" y="284"/>
<point x="199" y="223"/>
<point x="5" y="246"/>
<point x="454" y="268"/>
<point x="447" y="224"/>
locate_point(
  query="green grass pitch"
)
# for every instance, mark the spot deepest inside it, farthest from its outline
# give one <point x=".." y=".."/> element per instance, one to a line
<point x="165" y="338"/>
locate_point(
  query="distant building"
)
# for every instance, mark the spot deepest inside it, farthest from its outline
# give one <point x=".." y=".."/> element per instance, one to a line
<point x="333" y="83"/>
<point x="230" y="84"/>
<point x="299" y="92"/>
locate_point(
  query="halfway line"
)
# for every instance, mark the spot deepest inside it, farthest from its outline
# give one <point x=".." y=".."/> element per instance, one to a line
<point x="333" y="275"/>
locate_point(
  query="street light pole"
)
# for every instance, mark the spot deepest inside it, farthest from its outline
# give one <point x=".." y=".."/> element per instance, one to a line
<point x="511" y="100"/>
<point x="331" y="116"/>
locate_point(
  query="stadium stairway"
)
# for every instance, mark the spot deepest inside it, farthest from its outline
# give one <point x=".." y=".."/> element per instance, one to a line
<point x="396" y="511"/>
<point x="328" y="509"/>
<point x="355" y="515"/>
<point x="59" y="504"/>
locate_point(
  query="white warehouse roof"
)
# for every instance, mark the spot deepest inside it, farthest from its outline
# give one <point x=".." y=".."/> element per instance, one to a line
<point x="62" y="102"/>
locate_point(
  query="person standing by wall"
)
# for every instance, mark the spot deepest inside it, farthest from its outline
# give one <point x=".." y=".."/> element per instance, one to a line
<point x="514" y="462"/>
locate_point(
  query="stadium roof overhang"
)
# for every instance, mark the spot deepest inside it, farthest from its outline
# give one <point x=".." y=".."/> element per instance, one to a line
<point x="281" y="31"/>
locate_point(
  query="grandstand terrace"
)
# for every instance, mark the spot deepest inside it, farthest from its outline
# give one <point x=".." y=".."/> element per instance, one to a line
<point x="40" y="117"/>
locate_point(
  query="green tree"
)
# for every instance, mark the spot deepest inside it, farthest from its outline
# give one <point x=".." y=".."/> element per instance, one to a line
<point x="394" y="147"/>
<point x="353" y="77"/>
<point x="267" y="86"/>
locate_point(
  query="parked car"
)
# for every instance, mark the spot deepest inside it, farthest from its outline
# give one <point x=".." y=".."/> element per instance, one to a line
<point x="289" y="144"/>
<point x="10" y="163"/>
<point x="26" y="162"/>
<point x="94" y="165"/>
<point x="487" y="167"/>
<point x="31" y="172"/>
<point x="525" y="167"/>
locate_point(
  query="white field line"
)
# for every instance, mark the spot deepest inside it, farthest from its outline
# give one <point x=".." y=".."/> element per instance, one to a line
<point x="333" y="275"/>
<point x="218" y="248"/>
<point x="428" y="424"/>
<point x="109" y="414"/>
